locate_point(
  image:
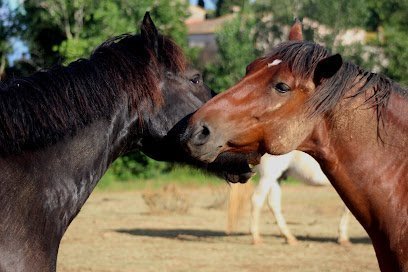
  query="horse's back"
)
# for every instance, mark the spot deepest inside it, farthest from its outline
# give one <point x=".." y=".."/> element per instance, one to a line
<point x="306" y="168"/>
<point x="300" y="164"/>
<point x="272" y="166"/>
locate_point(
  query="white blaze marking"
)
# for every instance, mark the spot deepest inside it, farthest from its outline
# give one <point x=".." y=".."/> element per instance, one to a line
<point x="274" y="63"/>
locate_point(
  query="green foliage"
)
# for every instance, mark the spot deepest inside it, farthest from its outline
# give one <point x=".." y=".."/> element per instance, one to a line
<point x="337" y="14"/>
<point x="387" y="18"/>
<point x="225" y="6"/>
<point x="395" y="48"/>
<point x="181" y="175"/>
<point x="347" y="14"/>
<point x="137" y="165"/>
<point x="387" y="12"/>
<point x="236" y="51"/>
<point x="67" y="30"/>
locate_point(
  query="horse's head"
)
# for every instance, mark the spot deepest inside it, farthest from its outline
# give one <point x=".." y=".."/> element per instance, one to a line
<point x="268" y="110"/>
<point x="179" y="89"/>
<point x="182" y="91"/>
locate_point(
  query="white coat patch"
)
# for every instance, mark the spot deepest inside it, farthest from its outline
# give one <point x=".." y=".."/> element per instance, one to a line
<point x="274" y="63"/>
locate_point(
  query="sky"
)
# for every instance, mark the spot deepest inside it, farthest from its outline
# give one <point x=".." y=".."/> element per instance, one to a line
<point x="19" y="49"/>
<point x="12" y="3"/>
<point x="208" y="3"/>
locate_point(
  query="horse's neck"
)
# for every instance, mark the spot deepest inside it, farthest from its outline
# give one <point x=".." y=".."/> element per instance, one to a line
<point x="60" y="178"/>
<point x="94" y="149"/>
<point x="369" y="173"/>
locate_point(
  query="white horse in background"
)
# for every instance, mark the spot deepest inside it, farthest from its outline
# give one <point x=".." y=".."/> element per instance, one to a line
<point x="271" y="168"/>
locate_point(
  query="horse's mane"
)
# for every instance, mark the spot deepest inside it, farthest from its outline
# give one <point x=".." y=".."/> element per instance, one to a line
<point x="302" y="58"/>
<point x="39" y="110"/>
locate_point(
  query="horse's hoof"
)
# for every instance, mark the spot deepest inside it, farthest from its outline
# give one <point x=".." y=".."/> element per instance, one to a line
<point x="292" y="241"/>
<point x="344" y="242"/>
<point x="257" y="241"/>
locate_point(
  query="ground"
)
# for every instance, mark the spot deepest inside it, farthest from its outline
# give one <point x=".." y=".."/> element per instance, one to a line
<point x="116" y="232"/>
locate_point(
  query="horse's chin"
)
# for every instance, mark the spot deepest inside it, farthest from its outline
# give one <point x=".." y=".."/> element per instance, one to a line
<point x="231" y="166"/>
<point x="241" y="178"/>
<point x="235" y="167"/>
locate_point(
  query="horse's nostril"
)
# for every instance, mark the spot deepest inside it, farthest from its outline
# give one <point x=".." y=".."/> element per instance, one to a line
<point x="205" y="131"/>
<point x="201" y="135"/>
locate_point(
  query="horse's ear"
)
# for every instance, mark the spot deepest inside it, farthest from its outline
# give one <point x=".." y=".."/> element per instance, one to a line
<point x="295" y="33"/>
<point x="149" y="33"/>
<point x="326" y="68"/>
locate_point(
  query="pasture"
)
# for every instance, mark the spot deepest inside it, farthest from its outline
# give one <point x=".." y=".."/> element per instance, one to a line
<point x="115" y="231"/>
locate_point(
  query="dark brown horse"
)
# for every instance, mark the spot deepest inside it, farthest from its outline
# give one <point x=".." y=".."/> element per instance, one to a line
<point x="355" y="123"/>
<point x="60" y="130"/>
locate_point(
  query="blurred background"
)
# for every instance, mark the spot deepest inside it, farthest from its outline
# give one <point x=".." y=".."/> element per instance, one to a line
<point x="220" y="38"/>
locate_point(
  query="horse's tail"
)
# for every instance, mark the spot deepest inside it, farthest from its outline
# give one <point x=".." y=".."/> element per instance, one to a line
<point x="239" y="198"/>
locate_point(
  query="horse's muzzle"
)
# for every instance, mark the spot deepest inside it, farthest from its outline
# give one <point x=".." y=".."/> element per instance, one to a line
<point x="200" y="143"/>
<point x="200" y="135"/>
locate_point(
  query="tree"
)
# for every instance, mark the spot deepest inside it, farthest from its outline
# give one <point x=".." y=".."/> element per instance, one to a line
<point x="223" y="7"/>
<point x="331" y="14"/>
<point x="64" y="30"/>
<point x="388" y="18"/>
<point x="336" y="14"/>
<point x="236" y="51"/>
<point x="395" y="46"/>
<point x="201" y="3"/>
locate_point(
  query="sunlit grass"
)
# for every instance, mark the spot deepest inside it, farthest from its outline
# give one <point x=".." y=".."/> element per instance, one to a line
<point x="180" y="175"/>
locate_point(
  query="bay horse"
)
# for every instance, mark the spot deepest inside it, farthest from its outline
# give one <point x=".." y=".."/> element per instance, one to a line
<point x="61" y="128"/>
<point x="353" y="122"/>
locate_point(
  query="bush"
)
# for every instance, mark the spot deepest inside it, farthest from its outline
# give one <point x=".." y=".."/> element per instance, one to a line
<point x="138" y="166"/>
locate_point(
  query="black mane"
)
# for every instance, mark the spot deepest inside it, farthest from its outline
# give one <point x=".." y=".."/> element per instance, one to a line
<point x="302" y="58"/>
<point x="41" y="109"/>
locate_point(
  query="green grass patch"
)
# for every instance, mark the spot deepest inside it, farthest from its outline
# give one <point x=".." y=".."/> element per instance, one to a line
<point x="181" y="175"/>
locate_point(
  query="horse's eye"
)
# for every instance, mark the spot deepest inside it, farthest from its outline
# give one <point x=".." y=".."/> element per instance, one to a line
<point x="282" y="87"/>
<point x="196" y="79"/>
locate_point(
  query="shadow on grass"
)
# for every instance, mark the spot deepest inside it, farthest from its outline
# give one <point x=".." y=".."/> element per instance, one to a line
<point x="199" y="235"/>
<point x="181" y="234"/>
<point x="322" y="239"/>
<point x="177" y="233"/>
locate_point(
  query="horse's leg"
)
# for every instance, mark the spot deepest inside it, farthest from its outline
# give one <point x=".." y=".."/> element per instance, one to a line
<point x="269" y="169"/>
<point x="274" y="202"/>
<point x="257" y="200"/>
<point x="343" y="228"/>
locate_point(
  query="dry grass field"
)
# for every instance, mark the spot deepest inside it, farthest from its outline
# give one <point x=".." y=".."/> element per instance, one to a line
<point x="116" y="231"/>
